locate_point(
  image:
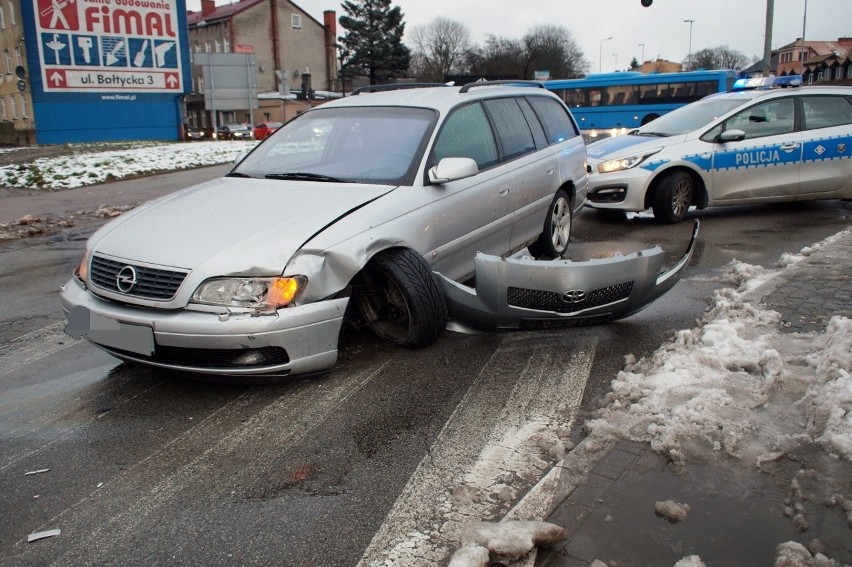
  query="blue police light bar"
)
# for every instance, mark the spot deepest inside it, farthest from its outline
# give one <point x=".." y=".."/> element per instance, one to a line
<point x="768" y="83"/>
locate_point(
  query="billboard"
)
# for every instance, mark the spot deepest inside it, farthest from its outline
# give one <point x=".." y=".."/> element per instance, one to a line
<point x="120" y="46"/>
<point x="105" y="70"/>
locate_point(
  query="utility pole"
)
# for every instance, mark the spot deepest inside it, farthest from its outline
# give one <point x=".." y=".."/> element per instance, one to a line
<point x="767" y="43"/>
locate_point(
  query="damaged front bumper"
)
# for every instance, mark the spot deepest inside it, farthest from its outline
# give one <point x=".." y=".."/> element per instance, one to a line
<point x="527" y="294"/>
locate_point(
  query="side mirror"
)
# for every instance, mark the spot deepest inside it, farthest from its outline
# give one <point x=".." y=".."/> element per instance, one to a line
<point x="451" y="169"/>
<point x="732" y="135"/>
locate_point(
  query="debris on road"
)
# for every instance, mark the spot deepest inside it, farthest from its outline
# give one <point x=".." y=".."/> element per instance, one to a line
<point x="41" y="535"/>
<point x="39" y="471"/>
<point x="672" y="510"/>
<point x="507" y="541"/>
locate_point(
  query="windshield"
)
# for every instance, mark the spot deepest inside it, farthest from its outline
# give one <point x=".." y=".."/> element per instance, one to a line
<point x="690" y="117"/>
<point x="353" y="144"/>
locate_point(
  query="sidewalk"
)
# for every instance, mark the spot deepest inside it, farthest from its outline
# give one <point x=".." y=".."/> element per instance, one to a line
<point x="738" y="512"/>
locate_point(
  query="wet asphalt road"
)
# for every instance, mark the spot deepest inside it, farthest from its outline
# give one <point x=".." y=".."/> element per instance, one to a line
<point x="147" y="467"/>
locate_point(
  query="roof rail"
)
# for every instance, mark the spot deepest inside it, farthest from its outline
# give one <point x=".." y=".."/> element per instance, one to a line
<point x="510" y="82"/>
<point x="395" y="87"/>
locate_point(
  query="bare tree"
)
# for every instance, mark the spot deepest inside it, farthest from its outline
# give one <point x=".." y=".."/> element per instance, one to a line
<point x="553" y="48"/>
<point x="439" y="48"/>
<point x="721" y="57"/>
<point x="500" y="57"/>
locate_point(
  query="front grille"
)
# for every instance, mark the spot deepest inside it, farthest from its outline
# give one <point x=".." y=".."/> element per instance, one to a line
<point x="552" y="301"/>
<point x="151" y="283"/>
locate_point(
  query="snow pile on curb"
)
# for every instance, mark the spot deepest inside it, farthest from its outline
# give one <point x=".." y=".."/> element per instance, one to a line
<point x="77" y="170"/>
<point x="736" y="384"/>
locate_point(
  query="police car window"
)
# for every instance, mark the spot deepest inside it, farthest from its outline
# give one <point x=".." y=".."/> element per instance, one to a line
<point x="826" y="111"/>
<point x="769" y="118"/>
<point x="467" y="133"/>
<point x="555" y="119"/>
<point x="512" y="128"/>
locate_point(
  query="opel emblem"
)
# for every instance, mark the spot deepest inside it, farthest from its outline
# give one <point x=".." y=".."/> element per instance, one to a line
<point x="125" y="279"/>
<point x="574" y="296"/>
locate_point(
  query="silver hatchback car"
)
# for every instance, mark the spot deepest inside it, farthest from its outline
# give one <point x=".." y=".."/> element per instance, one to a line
<point x="344" y="214"/>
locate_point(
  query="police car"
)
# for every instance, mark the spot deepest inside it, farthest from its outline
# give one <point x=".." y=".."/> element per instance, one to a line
<point x="755" y="144"/>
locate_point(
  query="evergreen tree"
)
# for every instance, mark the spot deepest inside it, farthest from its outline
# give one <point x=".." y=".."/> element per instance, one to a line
<point x="373" y="45"/>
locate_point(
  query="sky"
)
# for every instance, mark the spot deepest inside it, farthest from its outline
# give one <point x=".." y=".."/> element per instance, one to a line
<point x="739" y="24"/>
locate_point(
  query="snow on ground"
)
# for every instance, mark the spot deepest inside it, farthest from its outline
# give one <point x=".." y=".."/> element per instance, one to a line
<point x="87" y="168"/>
<point x="737" y="384"/>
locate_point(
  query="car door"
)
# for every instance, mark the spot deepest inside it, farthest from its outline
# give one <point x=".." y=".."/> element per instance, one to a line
<point x="531" y="177"/>
<point x="465" y="212"/>
<point x="766" y="162"/>
<point x="827" y="144"/>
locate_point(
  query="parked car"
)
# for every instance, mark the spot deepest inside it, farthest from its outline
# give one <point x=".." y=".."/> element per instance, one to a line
<point x="234" y="132"/>
<point x="191" y="133"/>
<point x="264" y="129"/>
<point x="343" y="215"/>
<point x="742" y="147"/>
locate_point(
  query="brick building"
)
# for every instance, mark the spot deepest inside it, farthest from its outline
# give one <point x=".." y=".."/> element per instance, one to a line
<point x="825" y="62"/>
<point x="290" y="49"/>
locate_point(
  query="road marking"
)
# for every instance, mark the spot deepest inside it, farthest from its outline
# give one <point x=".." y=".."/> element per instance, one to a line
<point x="484" y="455"/>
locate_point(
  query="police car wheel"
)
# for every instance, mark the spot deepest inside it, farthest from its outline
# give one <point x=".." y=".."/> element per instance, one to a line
<point x="673" y="197"/>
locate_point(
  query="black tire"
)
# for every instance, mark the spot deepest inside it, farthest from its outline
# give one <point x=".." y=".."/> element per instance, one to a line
<point x="553" y="240"/>
<point x="400" y="300"/>
<point x="673" y="198"/>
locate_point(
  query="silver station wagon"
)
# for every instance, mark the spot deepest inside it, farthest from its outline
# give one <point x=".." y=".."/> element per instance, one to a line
<point x="345" y="214"/>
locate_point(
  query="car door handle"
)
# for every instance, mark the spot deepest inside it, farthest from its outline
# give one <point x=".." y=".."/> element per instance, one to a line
<point x="505" y="190"/>
<point x="550" y="171"/>
<point x="789" y="146"/>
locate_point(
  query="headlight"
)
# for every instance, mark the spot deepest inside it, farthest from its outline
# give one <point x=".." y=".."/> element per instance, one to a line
<point x="620" y="164"/>
<point x="82" y="270"/>
<point x="261" y="294"/>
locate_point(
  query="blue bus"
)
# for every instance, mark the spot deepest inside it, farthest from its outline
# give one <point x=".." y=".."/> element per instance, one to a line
<point x="613" y="103"/>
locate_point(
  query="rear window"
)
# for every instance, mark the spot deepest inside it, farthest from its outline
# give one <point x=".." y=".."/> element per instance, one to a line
<point x="557" y="123"/>
<point x="826" y="111"/>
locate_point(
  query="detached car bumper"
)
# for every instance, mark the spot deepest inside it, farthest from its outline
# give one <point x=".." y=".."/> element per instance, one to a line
<point x="528" y="294"/>
<point x="296" y="340"/>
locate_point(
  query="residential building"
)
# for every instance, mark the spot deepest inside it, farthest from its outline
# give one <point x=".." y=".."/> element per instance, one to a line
<point x="660" y="66"/>
<point x="17" y="125"/>
<point x="293" y="54"/>
<point x="824" y="61"/>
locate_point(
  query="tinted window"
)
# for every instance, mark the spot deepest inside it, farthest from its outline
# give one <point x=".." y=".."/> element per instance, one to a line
<point x="826" y="111"/>
<point x="537" y="131"/>
<point x="512" y="128"/>
<point x="467" y="133"/>
<point x="769" y="118"/>
<point x="555" y="119"/>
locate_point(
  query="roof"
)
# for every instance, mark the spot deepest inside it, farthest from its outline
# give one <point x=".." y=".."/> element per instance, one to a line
<point x="225" y="11"/>
<point x="438" y="98"/>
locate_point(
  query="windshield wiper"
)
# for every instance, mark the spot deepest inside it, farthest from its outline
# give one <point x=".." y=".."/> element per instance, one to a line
<point x="657" y="134"/>
<point x="300" y="176"/>
<point x="237" y="174"/>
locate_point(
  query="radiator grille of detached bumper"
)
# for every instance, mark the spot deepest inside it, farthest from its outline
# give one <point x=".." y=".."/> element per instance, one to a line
<point x="151" y="283"/>
<point x="553" y="301"/>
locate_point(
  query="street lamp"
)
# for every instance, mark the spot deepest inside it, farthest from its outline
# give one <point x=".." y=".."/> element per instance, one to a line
<point x="600" y="54"/>
<point x="615" y="56"/>
<point x="642" y="45"/>
<point x="690" y="22"/>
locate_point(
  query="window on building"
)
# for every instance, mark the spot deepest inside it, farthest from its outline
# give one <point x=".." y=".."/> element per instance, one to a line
<point x="226" y="45"/>
<point x="12" y="14"/>
<point x="19" y="60"/>
<point x="8" y="62"/>
<point x="2" y="18"/>
<point x="3" y="108"/>
<point x="14" y="108"/>
<point x="23" y="106"/>
<point x="296" y="21"/>
<point x="200" y="84"/>
<point x="207" y="47"/>
<point x="218" y="46"/>
<point x="849" y="71"/>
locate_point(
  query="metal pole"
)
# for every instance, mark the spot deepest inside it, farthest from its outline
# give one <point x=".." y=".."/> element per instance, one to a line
<point x="642" y="45"/>
<point x="213" y="98"/>
<point x="600" y="54"/>
<point x="688" y="57"/>
<point x="767" y="43"/>
<point x="248" y="83"/>
<point x="804" y="21"/>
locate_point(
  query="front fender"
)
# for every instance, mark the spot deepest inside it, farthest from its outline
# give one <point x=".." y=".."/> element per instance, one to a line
<point x="526" y="293"/>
